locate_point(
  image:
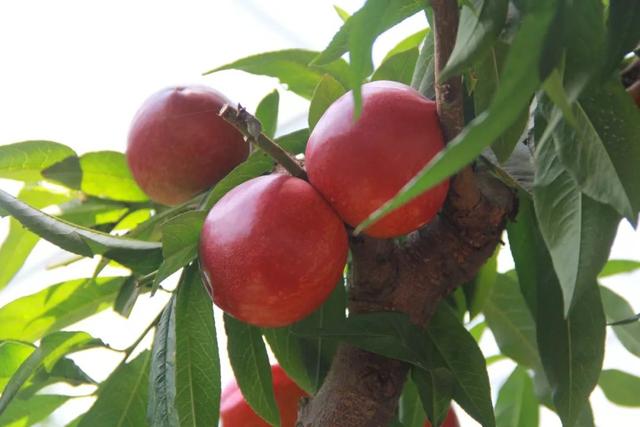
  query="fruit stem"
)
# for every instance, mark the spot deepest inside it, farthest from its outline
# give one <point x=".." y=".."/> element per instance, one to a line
<point x="251" y="128"/>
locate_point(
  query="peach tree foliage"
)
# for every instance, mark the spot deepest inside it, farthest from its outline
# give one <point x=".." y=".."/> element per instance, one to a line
<point x="545" y="112"/>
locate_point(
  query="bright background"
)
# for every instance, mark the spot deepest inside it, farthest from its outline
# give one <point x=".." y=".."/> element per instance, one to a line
<point x="75" y="71"/>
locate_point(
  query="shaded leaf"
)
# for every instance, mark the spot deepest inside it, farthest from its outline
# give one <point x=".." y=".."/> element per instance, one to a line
<point x="250" y="363"/>
<point x="161" y="409"/>
<point x="398" y="67"/>
<point x="577" y="230"/>
<point x="25" y="161"/>
<point x="327" y="91"/>
<point x="410" y="411"/>
<point x="136" y="254"/>
<point x="127" y="297"/>
<point x="620" y="387"/>
<point x="517" y="86"/>
<point x="435" y="388"/>
<point x="291" y="67"/>
<point x="31" y="317"/>
<point x="616" y="309"/>
<point x="267" y="113"/>
<point x="517" y="404"/>
<point x="423" y="79"/>
<point x="478" y="290"/>
<point x="122" y="398"/>
<point x="197" y="371"/>
<point x="64" y="371"/>
<point x="52" y="348"/>
<point x="408" y="43"/>
<point x="478" y="29"/>
<point x="623" y="32"/>
<point x="510" y="320"/>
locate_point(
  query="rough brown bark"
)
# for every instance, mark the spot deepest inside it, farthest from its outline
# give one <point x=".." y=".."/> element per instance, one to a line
<point x="362" y="388"/>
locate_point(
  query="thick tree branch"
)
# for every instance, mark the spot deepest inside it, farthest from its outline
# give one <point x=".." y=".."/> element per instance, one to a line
<point x="250" y="127"/>
<point x="361" y="388"/>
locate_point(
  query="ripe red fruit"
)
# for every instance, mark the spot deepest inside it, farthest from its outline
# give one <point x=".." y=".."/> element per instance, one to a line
<point x="358" y="166"/>
<point x="450" y="421"/>
<point x="235" y="412"/>
<point x="272" y="250"/>
<point x="178" y="145"/>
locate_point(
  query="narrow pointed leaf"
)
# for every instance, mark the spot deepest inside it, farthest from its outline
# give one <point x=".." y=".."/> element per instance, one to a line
<point x="267" y="113"/>
<point x="12" y="354"/>
<point x="435" y="388"/>
<point x="410" y="411"/>
<point x="291" y="67"/>
<point x="398" y="67"/>
<point x="197" y="371"/>
<point x="478" y="29"/>
<point x="327" y="91"/>
<point x="31" y="411"/>
<point x="619" y="266"/>
<point x="138" y="255"/>
<point x="517" y="404"/>
<point x="250" y="363"/>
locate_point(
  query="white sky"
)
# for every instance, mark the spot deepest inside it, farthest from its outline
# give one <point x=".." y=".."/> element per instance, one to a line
<point x="75" y="72"/>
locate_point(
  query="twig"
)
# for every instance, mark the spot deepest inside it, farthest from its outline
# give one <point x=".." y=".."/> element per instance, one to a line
<point x="251" y="128"/>
<point x="127" y="351"/>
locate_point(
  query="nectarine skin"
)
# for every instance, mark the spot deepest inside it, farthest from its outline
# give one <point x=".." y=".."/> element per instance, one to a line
<point x="272" y="250"/>
<point x="359" y="165"/>
<point x="178" y="146"/>
<point x="235" y="412"/>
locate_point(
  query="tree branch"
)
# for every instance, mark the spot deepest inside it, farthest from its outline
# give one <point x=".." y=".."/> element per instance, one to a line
<point x="250" y="127"/>
<point x="362" y="388"/>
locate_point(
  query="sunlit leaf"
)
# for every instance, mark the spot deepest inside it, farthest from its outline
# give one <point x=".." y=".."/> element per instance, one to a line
<point x="26" y="160"/>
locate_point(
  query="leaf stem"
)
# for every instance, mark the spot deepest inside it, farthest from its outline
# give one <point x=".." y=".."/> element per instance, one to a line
<point x="250" y="127"/>
<point x="127" y="351"/>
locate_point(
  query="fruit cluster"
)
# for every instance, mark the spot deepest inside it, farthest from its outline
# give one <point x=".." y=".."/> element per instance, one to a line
<point x="273" y="248"/>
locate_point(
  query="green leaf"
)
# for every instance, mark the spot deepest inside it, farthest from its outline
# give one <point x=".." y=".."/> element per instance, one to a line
<point x="451" y="346"/>
<point x="478" y="290"/>
<point x="398" y="68"/>
<point x="127" y="297"/>
<point x="623" y="33"/>
<point x="478" y="29"/>
<point x="250" y="364"/>
<point x="410" y="409"/>
<point x="291" y="67"/>
<point x="510" y="320"/>
<point x="408" y="43"/>
<point x="267" y="113"/>
<point x="517" y="404"/>
<point x="31" y="317"/>
<point x="12" y="354"/>
<point x="435" y="388"/>
<point x="361" y="31"/>
<point x="106" y="174"/>
<point x="197" y="371"/>
<point x="577" y="230"/>
<point x="325" y="94"/>
<point x="180" y="237"/>
<point x="257" y="164"/>
<point x="620" y="387"/>
<point x="616" y="309"/>
<point x="91" y="212"/>
<point x="52" y="348"/>
<point x="161" y="409"/>
<point x="64" y="371"/>
<point x="601" y="151"/>
<point x="619" y="266"/>
<point x="307" y="360"/>
<point x="24" y="161"/>
<point x="571" y="349"/>
<point x="423" y="79"/>
<point x="30" y="412"/>
<point x="343" y="14"/>
<point x="517" y="86"/>
<point x="138" y="255"/>
<point x="122" y="398"/>
<point x="489" y="73"/>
